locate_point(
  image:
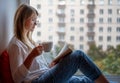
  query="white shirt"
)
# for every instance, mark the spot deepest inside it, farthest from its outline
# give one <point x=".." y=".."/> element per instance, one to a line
<point x="18" y="52"/>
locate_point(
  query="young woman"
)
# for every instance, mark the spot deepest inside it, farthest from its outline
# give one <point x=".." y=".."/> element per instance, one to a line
<point x="27" y="62"/>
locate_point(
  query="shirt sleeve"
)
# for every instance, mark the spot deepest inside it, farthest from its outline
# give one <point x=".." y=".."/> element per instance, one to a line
<point x="17" y="57"/>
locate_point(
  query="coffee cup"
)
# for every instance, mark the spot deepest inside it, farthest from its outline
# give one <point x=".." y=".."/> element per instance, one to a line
<point x="47" y="46"/>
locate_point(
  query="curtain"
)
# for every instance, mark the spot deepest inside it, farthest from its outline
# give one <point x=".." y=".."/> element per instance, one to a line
<point x="7" y="11"/>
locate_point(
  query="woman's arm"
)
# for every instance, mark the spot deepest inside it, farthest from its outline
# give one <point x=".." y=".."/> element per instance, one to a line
<point x="20" y="62"/>
<point x="17" y="56"/>
<point x="35" y="52"/>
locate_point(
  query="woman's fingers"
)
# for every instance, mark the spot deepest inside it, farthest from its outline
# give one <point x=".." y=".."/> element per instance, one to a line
<point x="39" y="49"/>
<point x="52" y="64"/>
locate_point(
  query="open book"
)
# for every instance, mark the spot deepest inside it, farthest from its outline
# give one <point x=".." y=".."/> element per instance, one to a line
<point x="66" y="50"/>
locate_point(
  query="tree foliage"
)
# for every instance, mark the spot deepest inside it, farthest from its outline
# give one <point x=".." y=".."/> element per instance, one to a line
<point x="108" y="61"/>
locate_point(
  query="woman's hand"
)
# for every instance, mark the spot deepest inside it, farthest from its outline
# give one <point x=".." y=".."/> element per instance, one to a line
<point x="53" y="63"/>
<point x="37" y="51"/>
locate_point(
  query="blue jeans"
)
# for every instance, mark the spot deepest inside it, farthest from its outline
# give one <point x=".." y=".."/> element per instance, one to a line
<point x="64" y="71"/>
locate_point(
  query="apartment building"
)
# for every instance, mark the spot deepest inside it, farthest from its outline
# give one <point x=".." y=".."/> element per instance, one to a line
<point x="78" y="22"/>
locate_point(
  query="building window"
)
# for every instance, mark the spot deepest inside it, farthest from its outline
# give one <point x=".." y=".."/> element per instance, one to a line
<point x="82" y="2"/>
<point x="50" y="20"/>
<point x="118" y="38"/>
<point x="109" y="38"/>
<point x="109" y="2"/>
<point x="81" y="11"/>
<point x="118" y="11"/>
<point x="101" y="29"/>
<point x="50" y="11"/>
<point x="100" y="20"/>
<point x="38" y="6"/>
<point x="109" y="11"/>
<point x="118" y="29"/>
<point x="72" y="38"/>
<point x="50" y="28"/>
<point x="91" y="2"/>
<point x="90" y="11"/>
<point x="81" y="38"/>
<point x="61" y="20"/>
<point x="100" y="38"/>
<point x="72" y="12"/>
<point x="81" y="47"/>
<point x="118" y="1"/>
<point x="72" y="20"/>
<point x="90" y="20"/>
<point x="38" y="25"/>
<point x="101" y="11"/>
<point x="118" y="20"/>
<point x="50" y="2"/>
<point x="109" y="20"/>
<point x="61" y="11"/>
<point x="72" y="28"/>
<point x="81" y="20"/>
<point x="61" y="37"/>
<point x="38" y="33"/>
<point x="73" y="0"/>
<point x="101" y="2"/>
<point x="90" y="38"/>
<point x="90" y="29"/>
<point x="81" y="29"/>
<point x="62" y="29"/>
<point x="109" y="29"/>
<point x="50" y="38"/>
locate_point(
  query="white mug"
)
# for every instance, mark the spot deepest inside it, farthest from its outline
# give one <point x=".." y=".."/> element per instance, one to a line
<point x="47" y="46"/>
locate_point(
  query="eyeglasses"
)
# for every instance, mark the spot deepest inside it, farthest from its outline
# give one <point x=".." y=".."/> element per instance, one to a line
<point x="33" y="20"/>
<point x="36" y="22"/>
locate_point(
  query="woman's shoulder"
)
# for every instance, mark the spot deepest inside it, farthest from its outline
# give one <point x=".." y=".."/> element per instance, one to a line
<point x="15" y="44"/>
<point x="15" y="41"/>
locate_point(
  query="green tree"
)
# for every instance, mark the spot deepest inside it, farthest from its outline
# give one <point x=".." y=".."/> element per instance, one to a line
<point x="111" y="62"/>
<point x="95" y="53"/>
<point x="107" y="61"/>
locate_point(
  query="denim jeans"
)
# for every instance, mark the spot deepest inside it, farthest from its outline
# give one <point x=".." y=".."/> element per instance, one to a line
<point x="64" y="71"/>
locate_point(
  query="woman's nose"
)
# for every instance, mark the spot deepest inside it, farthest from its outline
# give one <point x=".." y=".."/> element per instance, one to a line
<point x="36" y="22"/>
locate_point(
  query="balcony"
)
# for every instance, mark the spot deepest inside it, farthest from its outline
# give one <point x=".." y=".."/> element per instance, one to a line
<point x="60" y="33"/>
<point x="90" y="33"/>
<point x="61" y="15"/>
<point x="91" y="6"/>
<point x="91" y="42"/>
<point x="90" y="24"/>
<point x="61" y="24"/>
<point x="61" y="42"/>
<point x="62" y="5"/>
<point x="90" y="15"/>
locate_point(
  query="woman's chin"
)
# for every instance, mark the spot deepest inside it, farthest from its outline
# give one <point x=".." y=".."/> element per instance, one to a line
<point x="32" y="29"/>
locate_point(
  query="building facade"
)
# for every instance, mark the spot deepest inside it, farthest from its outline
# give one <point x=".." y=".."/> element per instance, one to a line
<point x="78" y="22"/>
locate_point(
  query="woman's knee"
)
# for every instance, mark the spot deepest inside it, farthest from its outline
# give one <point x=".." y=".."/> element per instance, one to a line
<point x="79" y="53"/>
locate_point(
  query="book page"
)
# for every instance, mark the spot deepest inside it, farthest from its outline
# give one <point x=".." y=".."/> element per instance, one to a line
<point x="66" y="50"/>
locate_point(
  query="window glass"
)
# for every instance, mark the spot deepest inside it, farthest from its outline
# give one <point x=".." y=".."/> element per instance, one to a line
<point x="101" y="11"/>
<point x="90" y="25"/>
<point x="101" y="2"/>
<point x="109" y="2"/>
